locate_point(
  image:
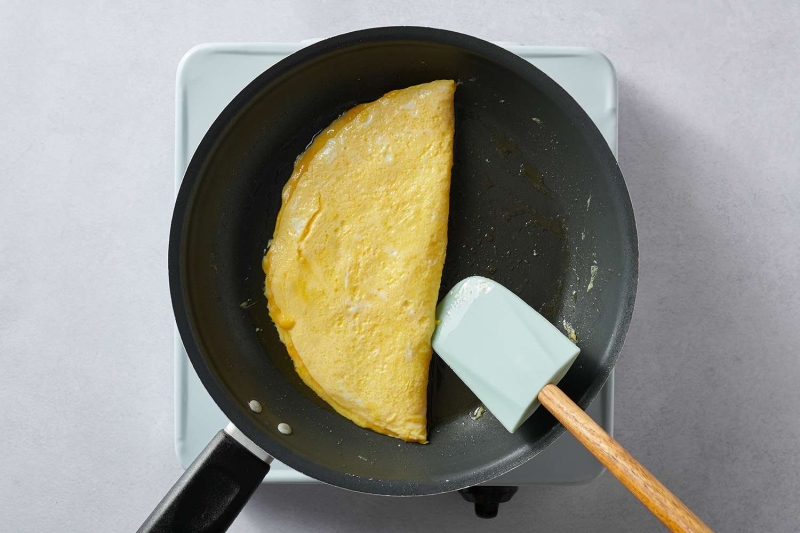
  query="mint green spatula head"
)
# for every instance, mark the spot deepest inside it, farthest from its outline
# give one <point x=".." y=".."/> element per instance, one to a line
<point x="500" y="347"/>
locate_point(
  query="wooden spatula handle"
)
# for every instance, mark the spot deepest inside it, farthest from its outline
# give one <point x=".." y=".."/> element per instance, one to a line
<point x="636" y="478"/>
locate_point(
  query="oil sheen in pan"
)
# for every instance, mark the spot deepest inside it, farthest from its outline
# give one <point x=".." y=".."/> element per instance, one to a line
<point x="503" y="225"/>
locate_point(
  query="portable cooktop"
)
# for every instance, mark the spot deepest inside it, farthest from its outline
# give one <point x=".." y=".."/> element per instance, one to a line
<point x="210" y="75"/>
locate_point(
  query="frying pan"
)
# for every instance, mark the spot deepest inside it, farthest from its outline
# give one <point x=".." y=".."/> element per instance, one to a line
<point x="537" y="200"/>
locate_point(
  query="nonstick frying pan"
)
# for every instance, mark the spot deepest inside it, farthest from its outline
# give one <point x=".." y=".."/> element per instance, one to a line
<point x="537" y="200"/>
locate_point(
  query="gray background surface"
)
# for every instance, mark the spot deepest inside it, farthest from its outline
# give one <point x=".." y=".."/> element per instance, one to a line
<point x="707" y="387"/>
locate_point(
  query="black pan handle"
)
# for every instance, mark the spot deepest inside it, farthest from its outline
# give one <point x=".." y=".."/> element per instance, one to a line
<point x="213" y="490"/>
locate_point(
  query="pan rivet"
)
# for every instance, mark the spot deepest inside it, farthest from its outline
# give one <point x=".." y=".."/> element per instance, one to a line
<point x="255" y="406"/>
<point x="285" y="428"/>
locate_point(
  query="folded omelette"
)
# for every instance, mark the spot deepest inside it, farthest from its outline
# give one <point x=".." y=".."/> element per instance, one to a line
<point x="354" y="266"/>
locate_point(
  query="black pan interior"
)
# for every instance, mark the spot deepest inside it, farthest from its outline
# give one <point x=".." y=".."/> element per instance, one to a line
<point x="537" y="200"/>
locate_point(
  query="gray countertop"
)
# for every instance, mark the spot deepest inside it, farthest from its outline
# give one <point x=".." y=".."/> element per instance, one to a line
<point x="707" y="391"/>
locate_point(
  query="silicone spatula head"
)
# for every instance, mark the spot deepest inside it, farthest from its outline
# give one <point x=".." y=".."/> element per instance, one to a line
<point x="500" y="347"/>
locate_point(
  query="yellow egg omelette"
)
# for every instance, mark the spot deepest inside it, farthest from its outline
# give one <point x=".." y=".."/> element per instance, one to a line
<point x="354" y="267"/>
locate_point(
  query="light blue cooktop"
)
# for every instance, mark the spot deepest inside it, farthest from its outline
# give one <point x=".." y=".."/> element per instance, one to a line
<point x="210" y="75"/>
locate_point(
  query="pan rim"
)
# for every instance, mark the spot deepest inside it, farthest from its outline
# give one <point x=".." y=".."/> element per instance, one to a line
<point x="181" y="298"/>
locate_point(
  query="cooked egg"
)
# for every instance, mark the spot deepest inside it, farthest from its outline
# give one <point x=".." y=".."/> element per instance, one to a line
<point x="354" y="267"/>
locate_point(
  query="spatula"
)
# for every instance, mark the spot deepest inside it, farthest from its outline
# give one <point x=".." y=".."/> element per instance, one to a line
<point x="513" y="358"/>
